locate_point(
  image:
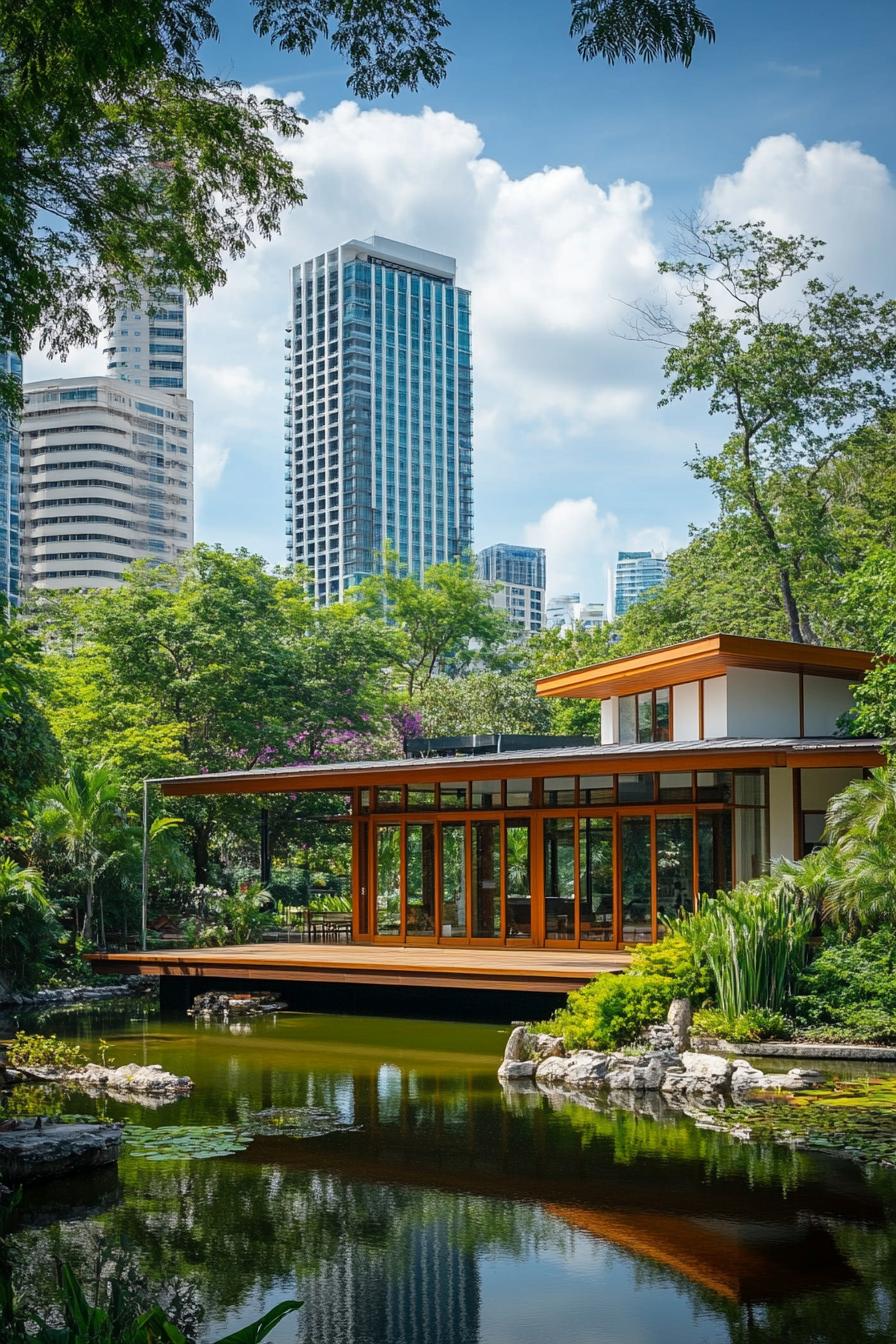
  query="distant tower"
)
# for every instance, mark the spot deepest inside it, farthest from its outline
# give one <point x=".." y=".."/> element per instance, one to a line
<point x="519" y="573"/>
<point x="636" y="573"/>
<point x="378" y="415"/>
<point x="148" y="343"/>
<point x="10" y="365"/>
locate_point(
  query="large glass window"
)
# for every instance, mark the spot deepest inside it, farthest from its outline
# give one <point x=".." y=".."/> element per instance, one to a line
<point x="421" y="799"/>
<point x="454" y="881"/>
<point x="645" y="716"/>
<point x="662" y="715"/>
<point x="388" y="881"/>
<point x="518" y="921"/>
<point x="674" y="867"/>
<point x="627" y="720"/>
<point x="714" y="786"/>
<point x="453" y="796"/>
<point x="637" y="922"/>
<point x="713" y="852"/>
<point x="595" y="790"/>
<point x="486" y="879"/>
<point x="596" y="880"/>
<point x="636" y="788"/>
<point x="420" y="865"/>
<point x="363" y="878"/>
<point x="486" y="793"/>
<point x="559" y="877"/>
<point x="519" y="793"/>
<point x="750" y="842"/>
<point x="388" y="800"/>
<point x="560" y="792"/>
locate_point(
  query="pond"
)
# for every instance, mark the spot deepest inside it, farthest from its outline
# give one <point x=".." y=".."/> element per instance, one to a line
<point x="406" y="1199"/>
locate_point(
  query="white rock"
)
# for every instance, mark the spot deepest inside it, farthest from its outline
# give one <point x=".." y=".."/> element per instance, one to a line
<point x="745" y="1077"/>
<point x="587" y="1068"/>
<point x="679" y="1019"/>
<point x="711" y="1069"/>
<point x="517" y="1047"/>
<point x="553" y="1070"/>
<point x="513" y="1069"/>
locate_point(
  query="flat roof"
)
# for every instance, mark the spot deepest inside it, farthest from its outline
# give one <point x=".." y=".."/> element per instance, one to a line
<point x="711" y="656"/>
<point x="709" y="754"/>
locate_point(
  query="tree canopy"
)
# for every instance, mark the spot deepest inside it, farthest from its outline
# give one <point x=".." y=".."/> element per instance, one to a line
<point x="794" y="386"/>
<point x="127" y="167"/>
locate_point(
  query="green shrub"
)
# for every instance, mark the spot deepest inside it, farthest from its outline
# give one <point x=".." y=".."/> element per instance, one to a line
<point x="42" y="1051"/>
<point x="849" y="991"/>
<point x="613" y="1010"/>
<point x="757" y="1024"/>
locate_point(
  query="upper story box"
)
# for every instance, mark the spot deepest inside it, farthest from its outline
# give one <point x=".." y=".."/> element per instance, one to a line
<point x="723" y="686"/>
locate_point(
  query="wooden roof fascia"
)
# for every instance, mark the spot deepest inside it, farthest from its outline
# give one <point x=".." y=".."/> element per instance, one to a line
<point x="699" y="659"/>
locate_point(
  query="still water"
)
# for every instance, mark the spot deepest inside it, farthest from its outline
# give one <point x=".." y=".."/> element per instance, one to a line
<point x="417" y="1203"/>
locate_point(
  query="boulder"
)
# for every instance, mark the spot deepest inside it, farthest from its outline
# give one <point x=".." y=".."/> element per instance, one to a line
<point x="517" y="1047"/>
<point x="678" y="1020"/>
<point x="552" y="1071"/>
<point x="745" y="1077"/>
<point x="543" y="1046"/>
<point x="514" y="1069"/>
<point x="34" y="1151"/>
<point x="586" y="1068"/>
<point x="713" y="1068"/>
<point x="127" y="1081"/>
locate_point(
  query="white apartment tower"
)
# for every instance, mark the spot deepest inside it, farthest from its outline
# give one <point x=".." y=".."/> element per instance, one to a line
<point x="107" y="478"/>
<point x="107" y="462"/>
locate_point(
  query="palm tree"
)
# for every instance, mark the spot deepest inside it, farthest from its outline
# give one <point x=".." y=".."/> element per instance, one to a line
<point x="861" y="831"/>
<point x="84" y="814"/>
<point x="866" y="806"/>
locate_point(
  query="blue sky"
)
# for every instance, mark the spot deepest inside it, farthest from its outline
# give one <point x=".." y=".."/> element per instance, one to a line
<point x="555" y="184"/>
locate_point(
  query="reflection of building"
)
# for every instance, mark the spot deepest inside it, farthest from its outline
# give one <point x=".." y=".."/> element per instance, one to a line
<point x="636" y="573"/>
<point x="107" y="478"/>
<point x="378" y="413"/>
<point x="567" y="611"/>
<point x="11" y="365"/>
<point x="419" y="1285"/>
<point x="519" y="575"/>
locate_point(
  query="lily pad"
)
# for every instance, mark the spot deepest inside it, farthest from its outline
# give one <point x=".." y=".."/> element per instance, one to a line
<point x="180" y="1143"/>
<point x="298" y="1122"/>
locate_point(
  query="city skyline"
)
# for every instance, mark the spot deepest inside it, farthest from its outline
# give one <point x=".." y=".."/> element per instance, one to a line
<point x="556" y="224"/>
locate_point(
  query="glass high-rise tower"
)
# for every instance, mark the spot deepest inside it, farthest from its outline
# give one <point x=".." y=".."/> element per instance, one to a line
<point x="636" y="573"/>
<point x="10" y="365"/>
<point x="378" y="413"/>
<point x="148" y="343"/>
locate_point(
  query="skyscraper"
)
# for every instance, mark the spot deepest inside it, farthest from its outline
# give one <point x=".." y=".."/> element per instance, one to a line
<point x="636" y="572"/>
<point x="378" y="413"/>
<point x="10" y="365"/>
<point x="107" y="478"/>
<point x="519" y="575"/>
<point x="148" y="343"/>
<point x="567" y="611"/>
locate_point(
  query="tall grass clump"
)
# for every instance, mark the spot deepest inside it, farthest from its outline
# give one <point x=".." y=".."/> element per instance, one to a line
<point x="753" y="940"/>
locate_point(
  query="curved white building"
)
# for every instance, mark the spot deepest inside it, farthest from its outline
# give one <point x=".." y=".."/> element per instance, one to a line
<point x="107" y="478"/>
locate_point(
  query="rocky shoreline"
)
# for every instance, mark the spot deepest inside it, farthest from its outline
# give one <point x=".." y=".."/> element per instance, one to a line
<point x="40" y="1150"/>
<point x="150" y="1082"/>
<point x="664" y="1065"/>
<point x="134" y="986"/>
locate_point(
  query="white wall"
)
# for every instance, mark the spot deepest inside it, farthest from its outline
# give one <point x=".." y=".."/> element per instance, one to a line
<point x="762" y="704"/>
<point x="608" y="721"/>
<point x="715" y="707"/>
<point x="780" y="813"/>
<point x="824" y="700"/>
<point x="817" y="787"/>
<point x="686" y="712"/>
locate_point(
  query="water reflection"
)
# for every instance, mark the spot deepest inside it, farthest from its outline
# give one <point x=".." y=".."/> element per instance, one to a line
<point x="455" y="1214"/>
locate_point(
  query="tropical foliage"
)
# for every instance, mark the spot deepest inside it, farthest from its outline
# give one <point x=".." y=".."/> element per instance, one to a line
<point x="28" y="926"/>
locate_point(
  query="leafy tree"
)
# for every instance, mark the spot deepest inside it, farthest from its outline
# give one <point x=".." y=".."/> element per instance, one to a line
<point x="28" y="752"/>
<point x="126" y="166"/>
<point x="793" y="387"/>
<point x="28" y="927"/>
<point x="869" y="596"/>
<point x="84" y="814"/>
<point x="445" y="623"/>
<point x="483" y="702"/>
<point x="556" y="650"/>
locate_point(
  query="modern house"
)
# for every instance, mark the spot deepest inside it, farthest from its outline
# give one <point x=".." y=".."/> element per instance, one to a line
<point x="718" y="755"/>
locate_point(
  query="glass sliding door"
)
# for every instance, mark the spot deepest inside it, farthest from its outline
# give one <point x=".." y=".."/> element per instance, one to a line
<point x="560" y="878"/>
<point x="453" y="893"/>
<point x="636" y="865"/>
<point x="714" y="870"/>
<point x="420" y="869"/>
<point x="388" y="881"/>
<point x="518" y="910"/>
<point x="674" y="867"/>
<point x="486" y="879"/>
<point x="596" y="880"/>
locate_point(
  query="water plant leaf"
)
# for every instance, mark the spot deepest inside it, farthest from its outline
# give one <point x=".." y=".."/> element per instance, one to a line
<point x="179" y="1143"/>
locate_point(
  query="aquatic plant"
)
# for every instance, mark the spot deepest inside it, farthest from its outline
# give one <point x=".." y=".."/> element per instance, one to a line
<point x="183" y="1143"/>
<point x="26" y="1051"/>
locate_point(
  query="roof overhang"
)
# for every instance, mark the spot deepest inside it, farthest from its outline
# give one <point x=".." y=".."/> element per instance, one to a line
<point x="719" y="754"/>
<point x="700" y="658"/>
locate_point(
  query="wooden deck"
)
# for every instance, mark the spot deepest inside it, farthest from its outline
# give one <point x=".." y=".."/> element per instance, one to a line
<point x="544" y="970"/>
